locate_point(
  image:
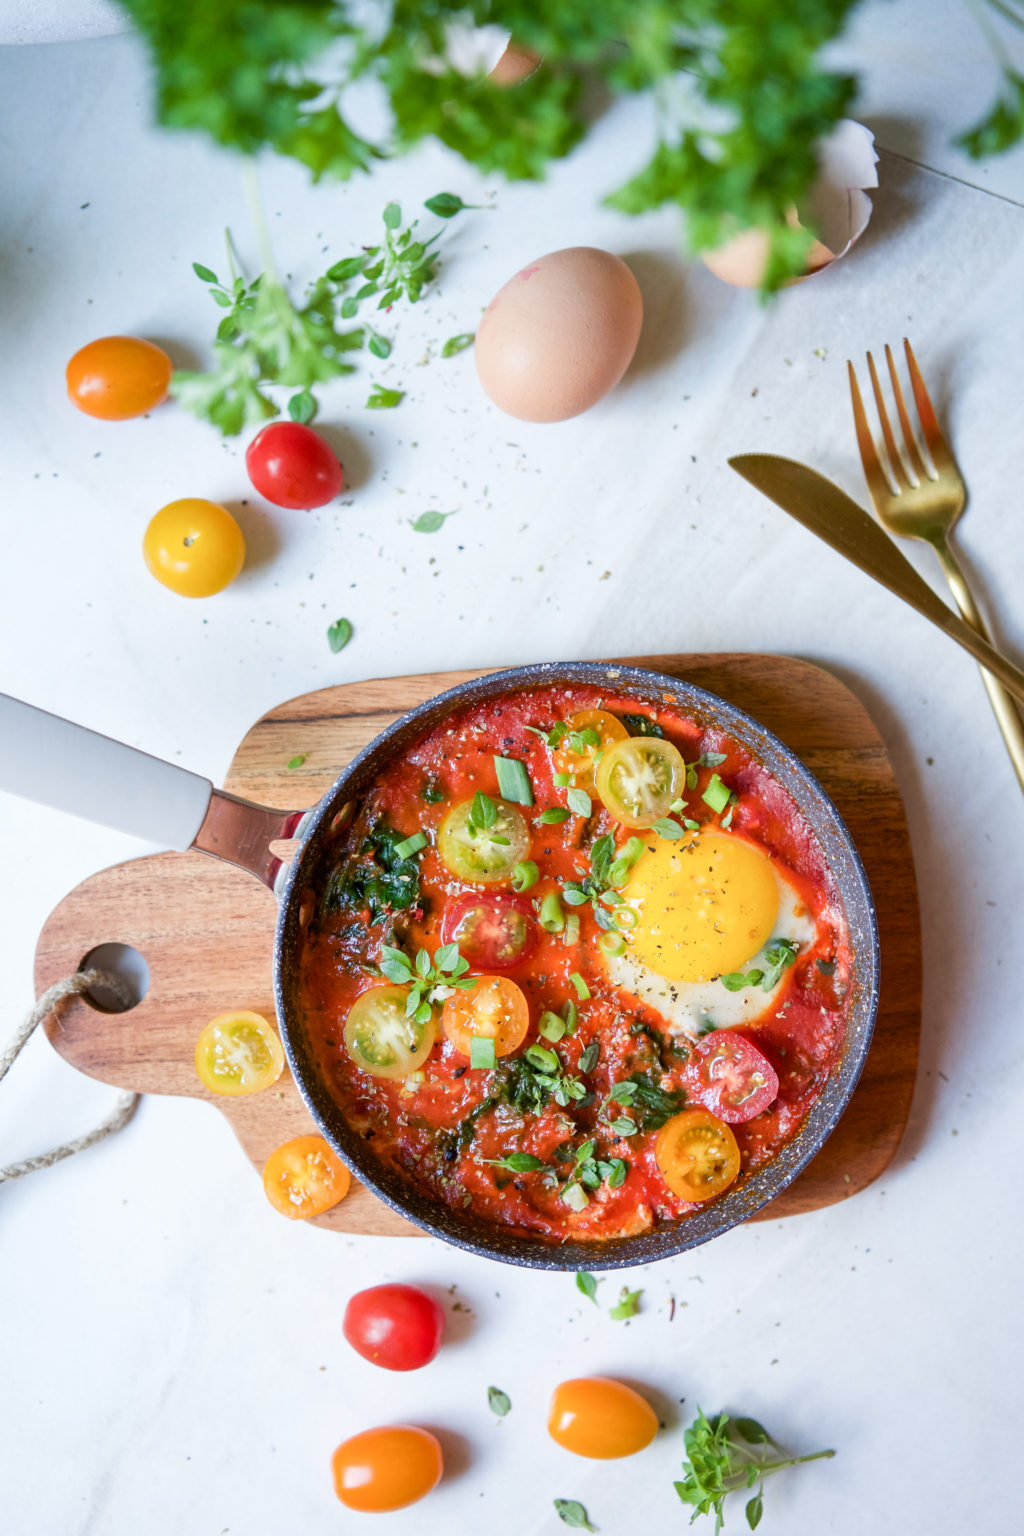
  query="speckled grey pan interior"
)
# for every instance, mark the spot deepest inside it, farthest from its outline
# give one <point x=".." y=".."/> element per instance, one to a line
<point x="461" y="1226"/>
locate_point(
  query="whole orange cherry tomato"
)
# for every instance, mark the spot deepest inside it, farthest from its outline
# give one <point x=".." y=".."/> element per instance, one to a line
<point x="600" y="1418"/>
<point x="697" y="1155"/>
<point x="304" y="1178"/>
<point x="194" y="546"/>
<point x="385" y="1469"/>
<point x="117" y="377"/>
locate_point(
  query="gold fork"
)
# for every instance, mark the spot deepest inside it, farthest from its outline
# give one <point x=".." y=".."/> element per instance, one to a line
<point x="923" y="503"/>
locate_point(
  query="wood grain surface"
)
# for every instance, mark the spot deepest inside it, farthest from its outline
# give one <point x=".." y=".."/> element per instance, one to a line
<point x="206" y="929"/>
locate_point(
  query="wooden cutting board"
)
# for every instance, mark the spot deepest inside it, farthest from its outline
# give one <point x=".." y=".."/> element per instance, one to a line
<point x="206" y="929"/>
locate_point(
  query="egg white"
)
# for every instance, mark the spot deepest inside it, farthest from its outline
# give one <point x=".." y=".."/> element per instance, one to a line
<point x="687" y="1005"/>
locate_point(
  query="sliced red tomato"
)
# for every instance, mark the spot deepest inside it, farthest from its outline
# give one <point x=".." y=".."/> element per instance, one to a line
<point x="397" y="1326"/>
<point x="494" y="933"/>
<point x="732" y="1078"/>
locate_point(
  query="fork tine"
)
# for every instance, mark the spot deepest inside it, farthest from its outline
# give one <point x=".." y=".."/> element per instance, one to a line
<point x="878" y="482"/>
<point x="909" y="445"/>
<point x="942" y="458"/>
<point x="899" y="474"/>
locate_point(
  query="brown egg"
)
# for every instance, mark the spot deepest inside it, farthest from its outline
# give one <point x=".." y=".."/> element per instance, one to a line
<point x="559" y="335"/>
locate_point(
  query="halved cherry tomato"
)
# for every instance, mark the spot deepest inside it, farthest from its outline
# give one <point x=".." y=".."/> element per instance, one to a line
<point x="396" y="1326"/>
<point x="385" y="1469"/>
<point x="485" y="854"/>
<point x="697" y="1155"/>
<point x="600" y="1418"/>
<point x="733" y="1079"/>
<point x="639" y="778"/>
<point x="493" y="1008"/>
<point x="238" y="1053"/>
<point x="194" y="546"/>
<point x="494" y="933"/>
<point x="292" y="466"/>
<point x="380" y="1036"/>
<point x="118" y="377"/>
<point x="304" y="1178"/>
<point x="581" y="764"/>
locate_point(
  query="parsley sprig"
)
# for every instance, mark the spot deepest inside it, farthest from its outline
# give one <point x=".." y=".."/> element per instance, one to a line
<point x="725" y="1454"/>
<point x="429" y="980"/>
<point x="779" y="956"/>
<point x="266" y="339"/>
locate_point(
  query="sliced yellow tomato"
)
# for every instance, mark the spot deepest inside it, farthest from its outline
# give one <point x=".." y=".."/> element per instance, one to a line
<point x="304" y="1178"/>
<point x="381" y="1038"/>
<point x="639" y="778"/>
<point x="697" y="1155"/>
<point x="483" y="855"/>
<point x="493" y="1008"/>
<point x="238" y="1053"/>
<point x="588" y="724"/>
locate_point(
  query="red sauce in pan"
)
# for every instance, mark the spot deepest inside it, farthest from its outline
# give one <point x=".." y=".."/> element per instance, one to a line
<point x="447" y="1126"/>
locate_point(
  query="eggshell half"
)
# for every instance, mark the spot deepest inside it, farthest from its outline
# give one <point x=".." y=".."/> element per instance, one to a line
<point x="559" y="335"/>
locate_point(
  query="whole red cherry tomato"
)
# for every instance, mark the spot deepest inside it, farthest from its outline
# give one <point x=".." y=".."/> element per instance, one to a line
<point x="397" y="1326"/>
<point x="292" y="466"/>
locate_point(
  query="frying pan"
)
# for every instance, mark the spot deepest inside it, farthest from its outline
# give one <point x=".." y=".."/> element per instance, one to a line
<point x="69" y="768"/>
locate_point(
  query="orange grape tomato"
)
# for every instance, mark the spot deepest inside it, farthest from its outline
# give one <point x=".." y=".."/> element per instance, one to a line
<point x="304" y="1178"/>
<point x="385" y="1469"/>
<point x="697" y="1155"/>
<point x="600" y="1418"/>
<point x="581" y="764"/>
<point x="493" y="1008"/>
<point x="194" y="546"/>
<point x="118" y="377"/>
<point x="239" y="1053"/>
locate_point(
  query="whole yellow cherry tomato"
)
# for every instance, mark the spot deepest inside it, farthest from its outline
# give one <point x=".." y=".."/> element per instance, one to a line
<point x="600" y="1418"/>
<point x="118" y="377"/>
<point x="194" y="546"/>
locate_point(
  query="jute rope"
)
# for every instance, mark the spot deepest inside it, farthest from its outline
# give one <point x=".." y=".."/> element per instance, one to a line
<point x="82" y="981"/>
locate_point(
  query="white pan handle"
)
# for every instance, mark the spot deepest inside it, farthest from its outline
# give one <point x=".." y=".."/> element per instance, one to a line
<point x="69" y="768"/>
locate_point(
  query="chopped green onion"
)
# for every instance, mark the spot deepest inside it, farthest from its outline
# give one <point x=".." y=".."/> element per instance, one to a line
<point x="524" y="875"/>
<point x="411" y="845"/>
<point x="553" y="815"/>
<point x="717" y="794"/>
<point x="551" y="1026"/>
<point x="582" y="990"/>
<point x="572" y="929"/>
<point x="513" y="780"/>
<point x="563" y="780"/>
<point x="571" y="1015"/>
<point x="612" y="943"/>
<point x="552" y="918"/>
<point x="575" y="1197"/>
<point x="482" y="1052"/>
<point x="626" y="917"/>
<point x="541" y="1058"/>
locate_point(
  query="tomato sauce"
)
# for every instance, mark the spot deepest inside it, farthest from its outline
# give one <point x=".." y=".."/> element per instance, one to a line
<point x="449" y="1126"/>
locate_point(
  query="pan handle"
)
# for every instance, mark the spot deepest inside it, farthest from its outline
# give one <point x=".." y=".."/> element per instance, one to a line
<point x="70" y="768"/>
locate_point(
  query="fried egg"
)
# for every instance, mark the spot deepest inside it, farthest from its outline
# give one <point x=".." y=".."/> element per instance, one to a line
<point x="705" y="906"/>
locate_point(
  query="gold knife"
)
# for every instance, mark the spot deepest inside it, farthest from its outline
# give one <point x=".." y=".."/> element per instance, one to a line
<point x="835" y="517"/>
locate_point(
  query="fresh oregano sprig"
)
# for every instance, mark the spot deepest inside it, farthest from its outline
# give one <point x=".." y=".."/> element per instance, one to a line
<point x="725" y="1454"/>
<point x="429" y="980"/>
<point x="779" y="956"/>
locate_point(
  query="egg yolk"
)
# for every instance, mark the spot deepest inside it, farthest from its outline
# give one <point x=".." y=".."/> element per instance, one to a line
<point x="705" y="905"/>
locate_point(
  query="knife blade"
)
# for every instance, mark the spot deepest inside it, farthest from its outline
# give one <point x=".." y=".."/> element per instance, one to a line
<point x="820" y="505"/>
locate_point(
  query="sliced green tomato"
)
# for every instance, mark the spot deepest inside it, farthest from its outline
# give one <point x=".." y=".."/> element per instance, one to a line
<point x="638" y="779"/>
<point x="483" y="855"/>
<point x="381" y="1039"/>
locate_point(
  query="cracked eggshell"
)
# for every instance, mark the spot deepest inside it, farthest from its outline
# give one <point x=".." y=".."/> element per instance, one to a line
<point x="559" y="335"/>
<point x="837" y="206"/>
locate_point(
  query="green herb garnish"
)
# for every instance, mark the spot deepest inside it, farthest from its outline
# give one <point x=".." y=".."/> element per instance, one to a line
<point x="376" y="880"/>
<point x="628" y="1305"/>
<point x="297" y="761"/>
<point x="513" y="780"/>
<point x="518" y="1162"/>
<point x="579" y="802"/>
<point x="381" y="399"/>
<point x="302" y="407"/>
<point x="498" y="1401"/>
<point x="587" y="1283"/>
<point x="552" y="816"/>
<point x="429" y="522"/>
<point x="725" y="1454"/>
<point x="571" y="1511"/>
<point x="424" y="976"/>
<point x="666" y="827"/>
<point x="652" y="1105"/>
<point x="642" y="725"/>
<point x="779" y="956"/>
<point x="456" y="344"/>
<point x="339" y="634"/>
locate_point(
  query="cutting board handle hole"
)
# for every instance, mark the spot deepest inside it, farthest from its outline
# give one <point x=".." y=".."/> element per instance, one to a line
<point x="130" y="968"/>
